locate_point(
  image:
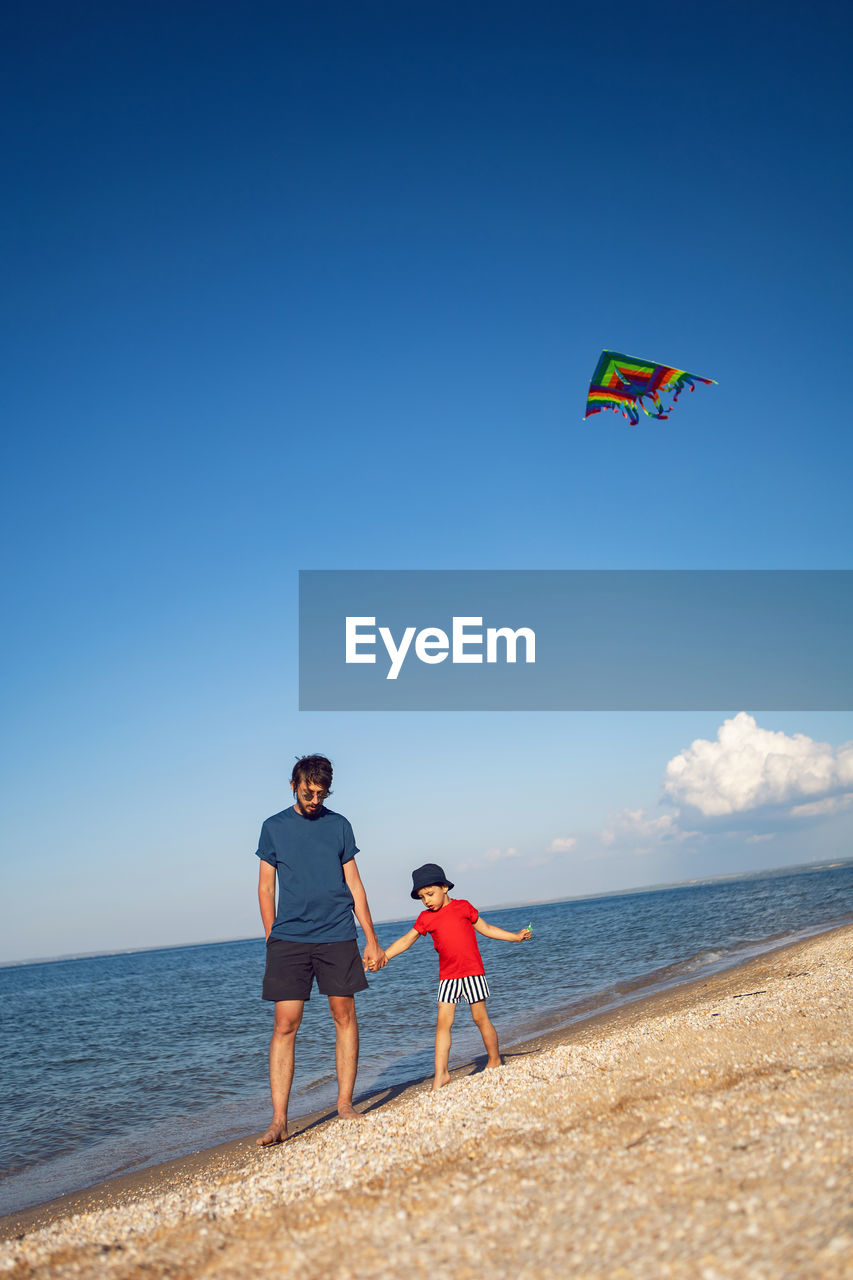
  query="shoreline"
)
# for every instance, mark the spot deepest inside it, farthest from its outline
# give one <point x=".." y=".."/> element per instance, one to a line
<point x="238" y="1162"/>
<point x="166" y="1175"/>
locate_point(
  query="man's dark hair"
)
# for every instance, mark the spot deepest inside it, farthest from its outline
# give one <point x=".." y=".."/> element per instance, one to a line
<point x="316" y="769"/>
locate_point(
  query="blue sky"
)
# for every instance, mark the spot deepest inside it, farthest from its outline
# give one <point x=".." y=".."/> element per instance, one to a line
<point x="322" y="286"/>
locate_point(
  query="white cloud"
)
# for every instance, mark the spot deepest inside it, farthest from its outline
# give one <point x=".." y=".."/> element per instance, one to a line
<point x="499" y="855"/>
<point x="821" y="808"/>
<point x="561" y="844"/>
<point x="635" y="827"/>
<point x="749" y="767"/>
<point x="488" y="859"/>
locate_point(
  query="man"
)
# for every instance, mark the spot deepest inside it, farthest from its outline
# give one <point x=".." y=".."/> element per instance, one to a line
<point x="311" y="850"/>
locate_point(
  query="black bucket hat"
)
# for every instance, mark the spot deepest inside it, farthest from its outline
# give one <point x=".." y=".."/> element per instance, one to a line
<point x="429" y="873"/>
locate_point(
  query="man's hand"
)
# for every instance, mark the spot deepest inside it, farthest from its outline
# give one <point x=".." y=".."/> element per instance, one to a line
<point x="374" y="957"/>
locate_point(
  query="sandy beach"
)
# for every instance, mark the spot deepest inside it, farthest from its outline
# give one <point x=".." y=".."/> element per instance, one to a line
<point x="704" y="1132"/>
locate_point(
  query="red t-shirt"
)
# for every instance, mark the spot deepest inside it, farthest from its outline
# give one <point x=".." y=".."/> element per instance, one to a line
<point x="453" y="937"/>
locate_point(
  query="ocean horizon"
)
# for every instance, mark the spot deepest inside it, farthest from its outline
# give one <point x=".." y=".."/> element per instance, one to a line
<point x="822" y="864"/>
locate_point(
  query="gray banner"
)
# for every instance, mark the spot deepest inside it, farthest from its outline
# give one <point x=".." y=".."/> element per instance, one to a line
<point x="575" y="640"/>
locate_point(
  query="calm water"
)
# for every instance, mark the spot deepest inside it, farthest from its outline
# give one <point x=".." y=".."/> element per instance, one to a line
<point x="115" y="1062"/>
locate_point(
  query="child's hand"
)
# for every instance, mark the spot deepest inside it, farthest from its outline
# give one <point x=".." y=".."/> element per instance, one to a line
<point x="525" y="934"/>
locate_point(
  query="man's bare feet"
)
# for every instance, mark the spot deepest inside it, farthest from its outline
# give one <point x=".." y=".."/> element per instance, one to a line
<point x="347" y="1111"/>
<point x="277" y="1132"/>
<point x="440" y="1081"/>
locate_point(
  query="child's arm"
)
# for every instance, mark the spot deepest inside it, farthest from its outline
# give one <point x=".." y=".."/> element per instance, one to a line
<point x="402" y="944"/>
<point x="492" y="931"/>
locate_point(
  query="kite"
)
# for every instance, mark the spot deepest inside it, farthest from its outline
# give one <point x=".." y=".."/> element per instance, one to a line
<point x="621" y="383"/>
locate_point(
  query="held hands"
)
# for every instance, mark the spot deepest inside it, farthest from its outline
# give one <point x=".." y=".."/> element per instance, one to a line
<point x="374" y="957"/>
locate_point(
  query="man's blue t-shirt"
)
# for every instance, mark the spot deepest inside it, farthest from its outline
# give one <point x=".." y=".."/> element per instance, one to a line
<point x="314" y="901"/>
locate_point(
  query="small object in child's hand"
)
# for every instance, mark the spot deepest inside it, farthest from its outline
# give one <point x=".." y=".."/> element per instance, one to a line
<point x="530" y="926"/>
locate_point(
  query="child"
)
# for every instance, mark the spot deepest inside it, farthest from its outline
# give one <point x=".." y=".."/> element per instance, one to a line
<point x="460" y="966"/>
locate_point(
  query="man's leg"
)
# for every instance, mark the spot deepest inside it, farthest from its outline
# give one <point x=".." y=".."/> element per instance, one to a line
<point x="443" y="1024"/>
<point x="342" y="1009"/>
<point x="288" y="1015"/>
<point x="487" y="1030"/>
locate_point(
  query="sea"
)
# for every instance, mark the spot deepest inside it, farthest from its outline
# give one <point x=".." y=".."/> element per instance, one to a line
<point x="113" y="1063"/>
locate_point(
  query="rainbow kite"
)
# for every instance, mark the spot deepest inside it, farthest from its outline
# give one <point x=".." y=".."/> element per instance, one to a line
<point x="621" y="383"/>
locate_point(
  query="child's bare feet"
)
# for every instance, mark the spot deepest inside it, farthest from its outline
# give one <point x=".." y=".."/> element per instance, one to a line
<point x="277" y="1132"/>
<point x="347" y="1111"/>
<point x="440" y="1081"/>
<point x="498" y="1062"/>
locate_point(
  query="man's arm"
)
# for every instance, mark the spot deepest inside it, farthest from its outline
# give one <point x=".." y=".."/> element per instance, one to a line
<point x="266" y="895"/>
<point x="374" y="956"/>
<point x="492" y="931"/>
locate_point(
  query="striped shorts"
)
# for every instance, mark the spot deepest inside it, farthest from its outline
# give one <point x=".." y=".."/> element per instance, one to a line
<point x="452" y="990"/>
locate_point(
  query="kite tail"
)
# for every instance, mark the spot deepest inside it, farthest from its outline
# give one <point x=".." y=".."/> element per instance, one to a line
<point x="656" y="401"/>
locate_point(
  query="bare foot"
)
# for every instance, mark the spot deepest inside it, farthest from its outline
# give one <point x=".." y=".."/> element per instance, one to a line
<point x="440" y="1081"/>
<point x="347" y="1111"/>
<point x="498" y="1062"/>
<point x="277" y="1132"/>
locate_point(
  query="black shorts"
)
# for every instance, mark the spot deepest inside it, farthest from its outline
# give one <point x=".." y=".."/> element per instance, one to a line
<point x="293" y="966"/>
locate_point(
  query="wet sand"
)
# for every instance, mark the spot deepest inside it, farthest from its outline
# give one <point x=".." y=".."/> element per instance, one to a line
<point x="703" y="1132"/>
